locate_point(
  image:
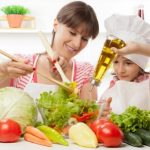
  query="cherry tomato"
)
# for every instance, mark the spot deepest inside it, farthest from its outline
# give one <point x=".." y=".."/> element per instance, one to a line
<point x="110" y="135"/>
<point x="10" y="130"/>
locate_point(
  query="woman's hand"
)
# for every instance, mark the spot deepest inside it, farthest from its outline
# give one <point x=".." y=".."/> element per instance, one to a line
<point x="62" y="62"/>
<point x="15" y="69"/>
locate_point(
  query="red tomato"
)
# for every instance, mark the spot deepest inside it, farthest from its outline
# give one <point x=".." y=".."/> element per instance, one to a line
<point x="10" y="131"/>
<point x="110" y="134"/>
<point x="98" y="123"/>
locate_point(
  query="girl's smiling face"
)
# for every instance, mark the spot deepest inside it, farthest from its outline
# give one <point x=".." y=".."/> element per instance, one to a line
<point x="125" y="69"/>
<point x="68" y="42"/>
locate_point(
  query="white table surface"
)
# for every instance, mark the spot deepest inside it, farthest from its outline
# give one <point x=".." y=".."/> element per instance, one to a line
<point x="23" y="145"/>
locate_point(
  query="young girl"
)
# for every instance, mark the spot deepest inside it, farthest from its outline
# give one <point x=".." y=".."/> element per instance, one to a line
<point x="131" y="83"/>
<point x="74" y="25"/>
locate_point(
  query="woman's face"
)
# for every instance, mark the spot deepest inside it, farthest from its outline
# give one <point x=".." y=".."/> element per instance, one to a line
<point x="69" y="42"/>
<point x="125" y="69"/>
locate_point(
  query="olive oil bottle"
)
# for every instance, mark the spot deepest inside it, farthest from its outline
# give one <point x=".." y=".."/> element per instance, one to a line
<point x="106" y="58"/>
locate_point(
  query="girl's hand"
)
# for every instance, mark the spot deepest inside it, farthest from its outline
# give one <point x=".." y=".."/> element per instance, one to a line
<point x="107" y="109"/>
<point x="15" y="69"/>
<point x="131" y="47"/>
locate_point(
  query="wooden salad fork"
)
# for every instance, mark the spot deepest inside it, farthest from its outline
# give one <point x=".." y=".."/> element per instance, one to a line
<point x="50" y="78"/>
<point x="51" y="54"/>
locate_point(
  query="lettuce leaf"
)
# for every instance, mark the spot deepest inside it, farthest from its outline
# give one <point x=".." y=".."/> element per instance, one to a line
<point x="132" y="119"/>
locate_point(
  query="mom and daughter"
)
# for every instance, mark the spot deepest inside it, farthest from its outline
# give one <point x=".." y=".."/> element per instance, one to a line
<point x="75" y="24"/>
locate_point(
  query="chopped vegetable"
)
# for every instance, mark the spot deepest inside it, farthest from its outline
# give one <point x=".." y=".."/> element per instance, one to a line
<point x="132" y="119"/>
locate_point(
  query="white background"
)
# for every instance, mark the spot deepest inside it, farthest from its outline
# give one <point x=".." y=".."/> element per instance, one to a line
<point x="45" y="12"/>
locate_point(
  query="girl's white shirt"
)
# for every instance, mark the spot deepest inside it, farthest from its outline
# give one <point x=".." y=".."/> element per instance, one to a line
<point x="125" y="94"/>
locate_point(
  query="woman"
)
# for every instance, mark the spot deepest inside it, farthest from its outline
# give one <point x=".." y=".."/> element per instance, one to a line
<point x="74" y="25"/>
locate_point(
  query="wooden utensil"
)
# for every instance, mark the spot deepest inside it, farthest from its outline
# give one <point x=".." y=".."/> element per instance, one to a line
<point x="11" y="56"/>
<point x="57" y="82"/>
<point x="51" y="54"/>
<point x="48" y="78"/>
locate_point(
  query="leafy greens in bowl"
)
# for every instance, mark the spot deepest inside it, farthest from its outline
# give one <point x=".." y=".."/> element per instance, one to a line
<point x="58" y="107"/>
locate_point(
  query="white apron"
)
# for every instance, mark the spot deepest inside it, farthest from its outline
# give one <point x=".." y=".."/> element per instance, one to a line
<point x="126" y="94"/>
<point x="35" y="89"/>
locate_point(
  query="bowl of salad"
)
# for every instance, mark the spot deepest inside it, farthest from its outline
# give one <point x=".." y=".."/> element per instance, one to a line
<point x="60" y="109"/>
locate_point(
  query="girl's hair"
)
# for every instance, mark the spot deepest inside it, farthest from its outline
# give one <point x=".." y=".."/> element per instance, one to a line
<point x="76" y="13"/>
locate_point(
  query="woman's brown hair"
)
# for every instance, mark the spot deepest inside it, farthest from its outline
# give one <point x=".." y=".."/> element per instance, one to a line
<point x="76" y="13"/>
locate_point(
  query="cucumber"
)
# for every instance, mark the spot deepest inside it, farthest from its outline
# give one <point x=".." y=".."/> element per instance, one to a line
<point x="145" y="136"/>
<point x="133" y="139"/>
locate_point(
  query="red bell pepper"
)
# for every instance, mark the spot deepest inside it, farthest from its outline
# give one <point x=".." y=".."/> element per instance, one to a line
<point x="85" y="116"/>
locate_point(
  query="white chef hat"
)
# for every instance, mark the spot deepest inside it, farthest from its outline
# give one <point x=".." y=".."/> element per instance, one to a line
<point x="130" y="28"/>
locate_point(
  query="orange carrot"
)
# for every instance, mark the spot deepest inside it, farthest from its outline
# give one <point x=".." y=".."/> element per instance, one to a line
<point x="31" y="138"/>
<point x="36" y="132"/>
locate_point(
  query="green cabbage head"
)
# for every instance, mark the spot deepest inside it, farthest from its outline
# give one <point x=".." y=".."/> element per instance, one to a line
<point x="17" y="105"/>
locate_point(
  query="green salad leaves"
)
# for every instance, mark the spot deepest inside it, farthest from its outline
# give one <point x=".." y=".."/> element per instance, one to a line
<point x="58" y="107"/>
<point x="132" y="119"/>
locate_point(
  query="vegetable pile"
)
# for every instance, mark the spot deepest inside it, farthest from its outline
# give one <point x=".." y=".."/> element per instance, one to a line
<point x="44" y="135"/>
<point x="135" y="123"/>
<point x="58" y="107"/>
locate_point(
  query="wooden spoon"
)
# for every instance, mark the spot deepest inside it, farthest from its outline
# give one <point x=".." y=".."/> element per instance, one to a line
<point x="51" y="54"/>
<point x="71" y="90"/>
